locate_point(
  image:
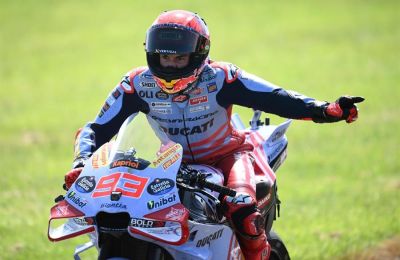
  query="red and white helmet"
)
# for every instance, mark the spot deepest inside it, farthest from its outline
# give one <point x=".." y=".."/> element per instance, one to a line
<point x="177" y="32"/>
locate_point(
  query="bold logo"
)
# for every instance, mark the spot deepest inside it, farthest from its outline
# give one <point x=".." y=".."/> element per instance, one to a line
<point x="76" y="199"/>
<point x="162" y="95"/>
<point x="113" y="205"/>
<point x="160" y="186"/>
<point x="212" y="87"/>
<point x="180" y="98"/>
<point x="206" y="241"/>
<point x="198" y="129"/>
<point x="85" y="184"/>
<point x="140" y="222"/>
<point x="198" y="100"/>
<point x="161" y="202"/>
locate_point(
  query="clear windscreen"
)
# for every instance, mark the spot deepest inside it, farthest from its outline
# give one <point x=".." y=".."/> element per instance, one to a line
<point x="140" y="137"/>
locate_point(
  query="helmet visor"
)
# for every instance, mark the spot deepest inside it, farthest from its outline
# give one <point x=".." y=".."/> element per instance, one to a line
<point x="172" y="40"/>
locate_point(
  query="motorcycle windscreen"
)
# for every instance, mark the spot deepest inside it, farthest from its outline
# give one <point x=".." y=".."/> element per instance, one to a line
<point x="67" y="222"/>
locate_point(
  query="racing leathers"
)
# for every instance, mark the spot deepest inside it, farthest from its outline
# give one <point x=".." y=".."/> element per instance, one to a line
<point x="199" y="119"/>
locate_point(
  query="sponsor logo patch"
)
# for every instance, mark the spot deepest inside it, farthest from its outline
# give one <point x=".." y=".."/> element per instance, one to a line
<point x="199" y="108"/>
<point x="165" y="111"/>
<point x="140" y="222"/>
<point x="85" y="184"/>
<point x="146" y="94"/>
<point x="125" y="163"/>
<point x="161" y="202"/>
<point x="212" y="87"/>
<point x="198" y="100"/>
<point x="113" y="205"/>
<point x="78" y="201"/>
<point x="161" y="104"/>
<point x="180" y="98"/>
<point x="145" y="84"/>
<point x="162" y="95"/>
<point x="160" y="186"/>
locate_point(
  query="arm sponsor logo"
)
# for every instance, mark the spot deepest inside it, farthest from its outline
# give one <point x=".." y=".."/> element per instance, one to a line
<point x="212" y="87"/>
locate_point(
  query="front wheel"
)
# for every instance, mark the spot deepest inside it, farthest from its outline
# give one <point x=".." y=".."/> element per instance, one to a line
<point x="278" y="248"/>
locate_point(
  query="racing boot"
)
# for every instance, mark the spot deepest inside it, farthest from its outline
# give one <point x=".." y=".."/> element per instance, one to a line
<point x="249" y="226"/>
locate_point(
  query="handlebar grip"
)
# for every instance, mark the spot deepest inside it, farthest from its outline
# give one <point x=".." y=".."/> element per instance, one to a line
<point x="220" y="189"/>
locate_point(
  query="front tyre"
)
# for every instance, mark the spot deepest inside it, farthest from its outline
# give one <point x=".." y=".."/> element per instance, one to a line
<point x="278" y="248"/>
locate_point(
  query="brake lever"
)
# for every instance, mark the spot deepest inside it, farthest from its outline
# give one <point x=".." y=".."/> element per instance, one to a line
<point x="59" y="198"/>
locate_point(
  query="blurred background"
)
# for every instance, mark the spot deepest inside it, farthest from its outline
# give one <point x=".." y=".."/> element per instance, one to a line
<point x="340" y="186"/>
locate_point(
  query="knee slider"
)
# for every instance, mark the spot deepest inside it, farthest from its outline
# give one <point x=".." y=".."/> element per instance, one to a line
<point x="245" y="216"/>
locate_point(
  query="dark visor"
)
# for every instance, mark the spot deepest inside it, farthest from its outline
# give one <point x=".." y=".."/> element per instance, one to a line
<point x="171" y="40"/>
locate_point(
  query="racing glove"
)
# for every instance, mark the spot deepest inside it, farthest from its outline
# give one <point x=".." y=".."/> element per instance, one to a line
<point x="344" y="108"/>
<point x="71" y="176"/>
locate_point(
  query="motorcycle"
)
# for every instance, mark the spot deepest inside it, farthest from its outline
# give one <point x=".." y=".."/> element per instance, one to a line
<point x="144" y="203"/>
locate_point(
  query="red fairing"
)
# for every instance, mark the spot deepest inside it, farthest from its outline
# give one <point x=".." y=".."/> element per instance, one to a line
<point x="175" y="213"/>
<point x="64" y="210"/>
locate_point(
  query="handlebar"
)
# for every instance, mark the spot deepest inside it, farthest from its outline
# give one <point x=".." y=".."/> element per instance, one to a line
<point x="192" y="178"/>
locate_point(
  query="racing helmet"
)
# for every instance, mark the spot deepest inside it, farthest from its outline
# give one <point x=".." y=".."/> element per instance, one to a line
<point x="177" y="32"/>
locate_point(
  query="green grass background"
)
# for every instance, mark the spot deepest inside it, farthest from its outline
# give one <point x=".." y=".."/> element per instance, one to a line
<point x="340" y="187"/>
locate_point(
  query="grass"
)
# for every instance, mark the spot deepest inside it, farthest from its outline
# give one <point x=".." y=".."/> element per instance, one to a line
<point x="340" y="185"/>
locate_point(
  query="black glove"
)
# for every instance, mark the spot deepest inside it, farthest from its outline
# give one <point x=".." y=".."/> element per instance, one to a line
<point x="343" y="108"/>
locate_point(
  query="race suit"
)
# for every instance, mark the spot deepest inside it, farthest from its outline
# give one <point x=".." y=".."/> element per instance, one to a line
<point x="199" y="120"/>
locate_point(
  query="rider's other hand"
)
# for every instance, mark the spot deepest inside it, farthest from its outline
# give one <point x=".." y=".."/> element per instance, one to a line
<point x="343" y="108"/>
<point x="71" y="177"/>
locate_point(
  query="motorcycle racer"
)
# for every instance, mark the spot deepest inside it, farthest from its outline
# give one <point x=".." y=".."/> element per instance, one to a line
<point x="191" y="98"/>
